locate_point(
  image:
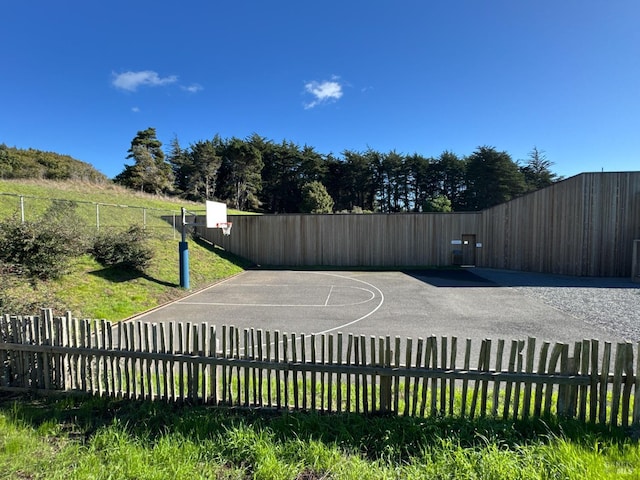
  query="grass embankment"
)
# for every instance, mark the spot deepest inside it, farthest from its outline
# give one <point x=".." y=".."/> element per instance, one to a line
<point x="102" y="438"/>
<point x="90" y="290"/>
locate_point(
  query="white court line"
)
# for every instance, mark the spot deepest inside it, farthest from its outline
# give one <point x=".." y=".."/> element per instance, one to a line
<point x="287" y="305"/>
<point x="305" y="336"/>
<point x="348" y="324"/>
<point x="329" y="296"/>
<point x="314" y="305"/>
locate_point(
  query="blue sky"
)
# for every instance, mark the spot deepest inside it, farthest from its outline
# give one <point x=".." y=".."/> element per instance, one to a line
<point x="82" y="77"/>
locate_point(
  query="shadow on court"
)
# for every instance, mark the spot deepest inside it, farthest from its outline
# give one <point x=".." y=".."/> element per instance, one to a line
<point x="451" y="278"/>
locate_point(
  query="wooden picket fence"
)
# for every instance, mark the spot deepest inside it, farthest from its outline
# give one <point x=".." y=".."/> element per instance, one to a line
<point x="226" y="366"/>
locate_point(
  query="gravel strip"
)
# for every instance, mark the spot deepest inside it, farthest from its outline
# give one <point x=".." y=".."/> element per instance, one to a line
<point x="612" y="304"/>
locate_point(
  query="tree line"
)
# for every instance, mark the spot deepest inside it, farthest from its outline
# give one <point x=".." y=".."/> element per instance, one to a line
<point x="258" y="174"/>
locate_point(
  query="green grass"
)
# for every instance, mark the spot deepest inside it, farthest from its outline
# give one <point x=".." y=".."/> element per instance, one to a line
<point x="100" y="438"/>
<point x="92" y="291"/>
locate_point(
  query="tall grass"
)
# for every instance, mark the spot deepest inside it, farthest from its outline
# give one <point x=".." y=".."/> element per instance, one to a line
<point x="100" y="438"/>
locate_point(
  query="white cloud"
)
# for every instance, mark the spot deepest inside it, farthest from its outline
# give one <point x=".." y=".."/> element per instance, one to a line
<point x="135" y="109"/>
<point x="130" y="81"/>
<point x="194" y="88"/>
<point x="323" y="92"/>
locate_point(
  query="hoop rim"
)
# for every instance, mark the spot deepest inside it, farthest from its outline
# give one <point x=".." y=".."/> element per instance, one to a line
<point x="225" y="227"/>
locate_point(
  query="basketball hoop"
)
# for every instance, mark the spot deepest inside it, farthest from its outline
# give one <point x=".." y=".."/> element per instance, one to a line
<point x="225" y="227"/>
<point x="217" y="216"/>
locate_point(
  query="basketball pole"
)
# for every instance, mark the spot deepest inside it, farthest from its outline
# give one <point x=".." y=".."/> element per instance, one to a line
<point x="183" y="253"/>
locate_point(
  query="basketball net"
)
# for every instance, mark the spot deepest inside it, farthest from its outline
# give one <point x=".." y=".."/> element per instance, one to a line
<point x="225" y="227"/>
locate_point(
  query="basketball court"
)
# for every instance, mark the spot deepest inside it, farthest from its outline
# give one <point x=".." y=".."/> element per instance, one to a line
<point x="411" y="304"/>
<point x="463" y="303"/>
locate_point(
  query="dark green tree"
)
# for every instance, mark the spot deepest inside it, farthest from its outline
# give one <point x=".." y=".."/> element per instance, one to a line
<point x="240" y="175"/>
<point x="206" y="161"/>
<point x="450" y="175"/>
<point x="358" y="180"/>
<point x="182" y="169"/>
<point x="315" y="198"/>
<point x="196" y="169"/>
<point x="313" y="165"/>
<point x="281" y="183"/>
<point x="393" y="182"/>
<point x="421" y="182"/>
<point x="335" y="183"/>
<point x="437" y="204"/>
<point x="537" y="171"/>
<point x="150" y="172"/>
<point x="492" y="178"/>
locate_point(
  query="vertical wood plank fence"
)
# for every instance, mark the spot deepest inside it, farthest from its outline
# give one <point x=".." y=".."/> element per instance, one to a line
<point x="584" y="225"/>
<point x="199" y="363"/>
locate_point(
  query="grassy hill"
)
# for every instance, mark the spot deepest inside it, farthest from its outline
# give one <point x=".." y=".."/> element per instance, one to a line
<point x="32" y="163"/>
<point x="90" y="290"/>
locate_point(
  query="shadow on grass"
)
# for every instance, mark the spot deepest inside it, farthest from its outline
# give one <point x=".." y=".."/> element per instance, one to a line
<point x="373" y="436"/>
<point x="116" y="274"/>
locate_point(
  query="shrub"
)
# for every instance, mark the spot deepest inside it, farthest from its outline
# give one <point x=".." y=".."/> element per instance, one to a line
<point x="42" y="248"/>
<point x="127" y="248"/>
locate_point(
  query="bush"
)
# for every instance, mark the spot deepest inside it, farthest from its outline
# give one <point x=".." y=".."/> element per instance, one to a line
<point x="315" y="198"/>
<point x="42" y="248"/>
<point x="127" y="248"/>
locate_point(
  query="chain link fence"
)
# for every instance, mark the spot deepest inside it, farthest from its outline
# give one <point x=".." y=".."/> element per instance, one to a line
<point x="160" y="222"/>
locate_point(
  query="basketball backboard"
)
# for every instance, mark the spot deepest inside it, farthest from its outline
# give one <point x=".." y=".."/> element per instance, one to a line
<point x="217" y="216"/>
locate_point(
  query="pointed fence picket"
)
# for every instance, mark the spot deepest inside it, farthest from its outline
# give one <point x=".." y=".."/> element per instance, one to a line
<point x="199" y="363"/>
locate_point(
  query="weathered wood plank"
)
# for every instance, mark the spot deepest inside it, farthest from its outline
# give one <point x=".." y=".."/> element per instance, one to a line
<point x="261" y="357"/>
<point x="82" y="355"/>
<point x="636" y="400"/>
<point x="530" y="353"/>
<point x="363" y="361"/>
<point x="465" y="382"/>
<point x="603" y="381"/>
<point x="584" y="370"/>
<point x="496" y="384"/>
<point x="294" y="358"/>
<point x="407" y="381"/>
<point x="313" y="374"/>
<point x="617" y="383"/>
<point x="452" y="365"/>
<point x="628" y="384"/>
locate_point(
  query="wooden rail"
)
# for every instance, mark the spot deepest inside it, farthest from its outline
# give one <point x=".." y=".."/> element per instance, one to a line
<point x="201" y="363"/>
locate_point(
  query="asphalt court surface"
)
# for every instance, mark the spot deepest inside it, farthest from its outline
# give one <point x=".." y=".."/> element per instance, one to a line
<point x="414" y="304"/>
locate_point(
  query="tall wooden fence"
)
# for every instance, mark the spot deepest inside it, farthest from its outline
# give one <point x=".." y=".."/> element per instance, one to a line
<point x="584" y="226"/>
<point x="589" y="380"/>
<point x="372" y="240"/>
